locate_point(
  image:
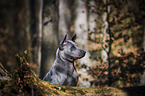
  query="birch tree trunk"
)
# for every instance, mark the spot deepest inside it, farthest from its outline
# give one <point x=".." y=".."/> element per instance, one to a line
<point x="81" y="29"/>
<point x="49" y="35"/>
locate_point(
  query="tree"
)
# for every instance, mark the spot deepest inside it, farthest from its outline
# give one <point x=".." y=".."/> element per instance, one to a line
<point x="38" y="25"/>
<point x="49" y="35"/>
<point x="65" y="15"/>
<point x="81" y="29"/>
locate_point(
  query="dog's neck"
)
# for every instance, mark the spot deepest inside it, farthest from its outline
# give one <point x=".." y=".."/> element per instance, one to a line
<point x="63" y="64"/>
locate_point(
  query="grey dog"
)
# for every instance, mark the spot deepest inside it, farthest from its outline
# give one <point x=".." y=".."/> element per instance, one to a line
<point x="63" y="71"/>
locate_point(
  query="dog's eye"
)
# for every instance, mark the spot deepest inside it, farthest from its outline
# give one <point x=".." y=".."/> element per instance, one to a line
<point x="73" y="48"/>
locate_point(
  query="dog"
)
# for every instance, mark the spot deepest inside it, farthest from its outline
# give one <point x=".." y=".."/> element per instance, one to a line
<point x="63" y="71"/>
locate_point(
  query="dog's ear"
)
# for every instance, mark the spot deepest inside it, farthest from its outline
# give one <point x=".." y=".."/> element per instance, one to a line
<point x="61" y="43"/>
<point x="74" y="38"/>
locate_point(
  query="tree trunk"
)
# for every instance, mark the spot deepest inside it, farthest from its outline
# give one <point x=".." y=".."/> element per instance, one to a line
<point x="23" y="28"/>
<point x="26" y="28"/>
<point x="38" y="7"/>
<point x="110" y="41"/>
<point x="49" y="35"/>
<point x="64" y="18"/>
<point x="81" y="29"/>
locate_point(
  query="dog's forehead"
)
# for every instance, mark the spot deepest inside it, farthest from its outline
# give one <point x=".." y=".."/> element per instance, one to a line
<point x="70" y="42"/>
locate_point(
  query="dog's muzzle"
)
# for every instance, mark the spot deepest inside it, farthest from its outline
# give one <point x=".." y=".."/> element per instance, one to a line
<point x="83" y="52"/>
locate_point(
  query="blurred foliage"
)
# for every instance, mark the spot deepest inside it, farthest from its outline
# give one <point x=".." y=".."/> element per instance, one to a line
<point x="124" y="71"/>
<point x="125" y="40"/>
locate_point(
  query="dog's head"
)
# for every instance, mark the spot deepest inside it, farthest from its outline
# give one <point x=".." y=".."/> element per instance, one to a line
<point x="69" y="50"/>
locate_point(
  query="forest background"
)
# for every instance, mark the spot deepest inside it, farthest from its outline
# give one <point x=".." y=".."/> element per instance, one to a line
<point x="111" y="31"/>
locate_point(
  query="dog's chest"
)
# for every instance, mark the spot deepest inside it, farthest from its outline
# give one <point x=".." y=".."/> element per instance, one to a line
<point x="72" y="79"/>
<point x="69" y="69"/>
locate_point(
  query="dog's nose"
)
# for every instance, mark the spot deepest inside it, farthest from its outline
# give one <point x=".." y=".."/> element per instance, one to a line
<point x="83" y="52"/>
